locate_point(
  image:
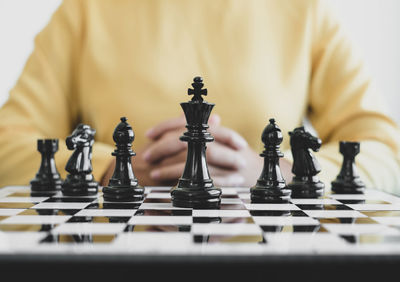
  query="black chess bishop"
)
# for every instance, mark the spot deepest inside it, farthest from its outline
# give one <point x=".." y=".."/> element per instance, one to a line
<point x="195" y="189"/>
<point x="47" y="179"/>
<point x="305" y="183"/>
<point x="80" y="180"/>
<point x="271" y="186"/>
<point x="348" y="181"/>
<point x="123" y="185"/>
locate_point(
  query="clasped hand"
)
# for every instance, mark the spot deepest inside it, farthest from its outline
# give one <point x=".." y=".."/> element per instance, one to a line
<point x="231" y="162"/>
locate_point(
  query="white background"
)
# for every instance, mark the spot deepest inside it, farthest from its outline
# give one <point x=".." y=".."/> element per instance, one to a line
<point x="372" y="24"/>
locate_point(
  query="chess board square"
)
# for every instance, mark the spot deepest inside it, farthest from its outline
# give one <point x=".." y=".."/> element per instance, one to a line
<point x="49" y="212"/>
<point x="240" y="239"/>
<point x="325" y="201"/>
<point x="89" y="228"/>
<point x="159" y="206"/>
<point x="241" y="190"/>
<point x="323" y="207"/>
<point x="34" y="219"/>
<point x="333" y="213"/>
<point x="20" y="241"/>
<point x="216" y="220"/>
<point x="26" y="227"/>
<point x="277" y="213"/>
<point x="381" y="213"/>
<point x="77" y="239"/>
<point x="308" y="242"/>
<point x="58" y="205"/>
<point x="154" y="242"/>
<point x="221" y="213"/>
<point x="240" y="206"/>
<point x="70" y="199"/>
<point x="16" y="205"/>
<point x="292" y="228"/>
<point x="352" y="202"/>
<point x="115" y="205"/>
<point x="285" y="220"/>
<point x="156" y="212"/>
<point x="393" y="221"/>
<point x="375" y="207"/>
<point x="7" y="212"/>
<point x="106" y="212"/>
<point x="161" y="220"/>
<point x="226" y="229"/>
<point x="272" y="207"/>
<point x="99" y="219"/>
<point x="356" y="229"/>
<point x="23" y="199"/>
<point x="157" y="189"/>
<point x="157" y="228"/>
<point x="231" y="201"/>
<point x="230" y="191"/>
<point x="156" y="200"/>
<point x="348" y="220"/>
<point x="159" y="195"/>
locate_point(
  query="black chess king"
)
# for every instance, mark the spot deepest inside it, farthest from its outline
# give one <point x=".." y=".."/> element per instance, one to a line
<point x="195" y="189"/>
<point x="123" y="185"/>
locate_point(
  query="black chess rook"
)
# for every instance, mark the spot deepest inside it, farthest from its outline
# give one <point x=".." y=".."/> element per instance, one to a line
<point x="80" y="180"/>
<point x="195" y="189"/>
<point x="47" y="179"/>
<point x="271" y="186"/>
<point x="305" y="183"/>
<point x="123" y="185"/>
<point x="348" y="181"/>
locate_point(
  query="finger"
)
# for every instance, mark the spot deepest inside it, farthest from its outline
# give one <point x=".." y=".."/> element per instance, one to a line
<point x="171" y="124"/>
<point x="177" y="158"/>
<point x="166" y="146"/>
<point x="171" y="172"/>
<point x="223" y="156"/>
<point x="228" y="137"/>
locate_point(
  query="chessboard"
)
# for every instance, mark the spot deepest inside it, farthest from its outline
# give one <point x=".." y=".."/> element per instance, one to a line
<point x="75" y="227"/>
<point x="335" y="224"/>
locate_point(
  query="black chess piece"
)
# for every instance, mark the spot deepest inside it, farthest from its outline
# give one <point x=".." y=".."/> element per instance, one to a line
<point x="271" y="186"/>
<point x="305" y="183"/>
<point x="348" y="181"/>
<point x="80" y="180"/>
<point x="47" y="180"/>
<point x="195" y="189"/>
<point x="123" y="185"/>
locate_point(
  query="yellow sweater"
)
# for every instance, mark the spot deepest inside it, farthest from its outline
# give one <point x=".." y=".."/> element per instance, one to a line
<point x="99" y="60"/>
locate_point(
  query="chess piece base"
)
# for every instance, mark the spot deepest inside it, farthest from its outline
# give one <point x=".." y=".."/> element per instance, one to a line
<point x="79" y="185"/>
<point x="348" y="187"/>
<point x="123" y="194"/>
<point x="262" y="193"/>
<point x="305" y="188"/>
<point x="209" y="198"/>
<point x="39" y="187"/>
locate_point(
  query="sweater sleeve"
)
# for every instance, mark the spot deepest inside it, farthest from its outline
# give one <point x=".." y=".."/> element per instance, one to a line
<point x="345" y="106"/>
<point x="44" y="102"/>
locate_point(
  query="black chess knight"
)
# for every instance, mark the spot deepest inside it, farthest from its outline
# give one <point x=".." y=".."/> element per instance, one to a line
<point x="123" y="185"/>
<point x="47" y="180"/>
<point x="305" y="183"/>
<point x="80" y="180"/>
<point x="348" y="181"/>
<point x="271" y="186"/>
<point x="195" y="189"/>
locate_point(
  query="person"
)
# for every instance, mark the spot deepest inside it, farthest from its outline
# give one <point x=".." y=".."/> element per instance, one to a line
<point x="99" y="60"/>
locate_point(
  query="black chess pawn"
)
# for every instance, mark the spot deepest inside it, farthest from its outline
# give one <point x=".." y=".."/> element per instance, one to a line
<point x="123" y="185"/>
<point x="348" y="181"/>
<point x="195" y="189"/>
<point x="305" y="183"/>
<point x="47" y="179"/>
<point x="271" y="186"/>
<point x="80" y="180"/>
